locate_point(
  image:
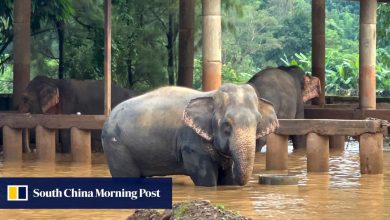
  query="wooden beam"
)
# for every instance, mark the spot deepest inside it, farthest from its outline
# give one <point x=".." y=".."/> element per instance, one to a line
<point x="80" y="145"/>
<point x="332" y="113"/>
<point x="318" y="46"/>
<point x="107" y="57"/>
<point x="287" y="126"/>
<point x="12" y="144"/>
<point x="330" y="127"/>
<point x="277" y="152"/>
<point x="15" y="120"/>
<point x="46" y="145"/>
<point x="21" y="48"/>
<point x="186" y="43"/>
<point x="367" y="54"/>
<point x="317" y="152"/>
<point x="211" y="44"/>
<point x="371" y="153"/>
<point x="333" y="99"/>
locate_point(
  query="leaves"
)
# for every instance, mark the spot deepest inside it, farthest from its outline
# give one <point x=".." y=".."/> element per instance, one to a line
<point x="256" y="34"/>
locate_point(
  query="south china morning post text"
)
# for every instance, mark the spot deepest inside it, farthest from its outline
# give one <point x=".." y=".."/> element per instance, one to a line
<point x="102" y="193"/>
<point x="105" y="193"/>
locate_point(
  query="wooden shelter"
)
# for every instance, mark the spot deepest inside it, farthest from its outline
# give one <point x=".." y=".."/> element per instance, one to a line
<point x="370" y="137"/>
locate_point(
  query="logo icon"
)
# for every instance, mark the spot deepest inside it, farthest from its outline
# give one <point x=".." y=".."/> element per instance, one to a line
<point x="17" y="193"/>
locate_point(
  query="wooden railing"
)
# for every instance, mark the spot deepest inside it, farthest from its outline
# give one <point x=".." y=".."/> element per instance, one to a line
<point x="45" y="125"/>
<point x="370" y="132"/>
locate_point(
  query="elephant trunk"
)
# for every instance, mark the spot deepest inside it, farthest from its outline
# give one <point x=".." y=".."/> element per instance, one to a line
<point x="243" y="145"/>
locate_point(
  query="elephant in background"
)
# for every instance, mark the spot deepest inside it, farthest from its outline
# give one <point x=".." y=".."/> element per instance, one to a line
<point x="44" y="95"/>
<point x="209" y="136"/>
<point x="288" y="88"/>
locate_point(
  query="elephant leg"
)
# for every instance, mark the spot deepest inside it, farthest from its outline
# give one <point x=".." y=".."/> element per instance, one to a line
<point x="26" y="140"/>
<point x="299" y="141"/>
<point x="200" y="167"/>
<point x="119" y="160"/>
<point x="260" y="143"/>
<point x="96" y="141"/>
<point x="65" y="141"/>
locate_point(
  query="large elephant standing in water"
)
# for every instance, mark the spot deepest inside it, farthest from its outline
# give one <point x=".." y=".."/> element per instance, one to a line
<point x="44" y="95"/>
<point x="210" y="136"/>
<point x="288" y="88"/>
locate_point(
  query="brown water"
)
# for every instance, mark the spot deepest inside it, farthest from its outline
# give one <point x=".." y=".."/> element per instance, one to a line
<point x="341" y="194"/>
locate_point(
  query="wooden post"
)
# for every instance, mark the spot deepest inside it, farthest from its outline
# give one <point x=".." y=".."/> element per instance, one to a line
<point x="337" y="142"/>
<point x="21" y="48"/>
<point x="367" y="54"/>
<point x="45" y="139"/>
<point x="107" y="57"/>
<point x="277" y="152"/>
<point x="317" y="151"/>
<point x="211" y="44"/>
<point x="12" y="144"/>
<point x="186" y="43"/>
<point x="318" y="46"/>
<point x="371" y="153"/>
<point x="80" y="145"/>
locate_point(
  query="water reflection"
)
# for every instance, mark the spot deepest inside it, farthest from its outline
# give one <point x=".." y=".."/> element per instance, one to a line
<point x="340" y="194"/>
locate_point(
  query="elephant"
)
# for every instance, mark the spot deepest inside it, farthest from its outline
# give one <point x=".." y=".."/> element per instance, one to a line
<point x="288" y="88"/>
<point x="44" y="95"/>
<point x="209" y="136"/>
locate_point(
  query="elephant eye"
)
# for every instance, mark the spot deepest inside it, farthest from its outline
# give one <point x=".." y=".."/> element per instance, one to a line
<point x="227" y="128"/>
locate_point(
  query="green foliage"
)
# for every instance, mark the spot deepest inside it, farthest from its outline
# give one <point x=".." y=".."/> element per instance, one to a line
<point x="181" y="210"/>
<point x="220" y="207"/>
<point x="44" y="15"/>
<point x="342" y="73"/>
<point x="299" y="59"/>
<point x="383" y="26"/>
<point x="256" y="34"/>
<point x="229" y="74"/>
<point x="139" y="42"/>
<point x="6" y="81"/>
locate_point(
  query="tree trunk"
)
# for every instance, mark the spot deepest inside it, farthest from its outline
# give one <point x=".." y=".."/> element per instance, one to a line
<point x="60" y="25"/>
<point x="186" y="43"/>
<point x="21" y="48"/>
<point x="170" y="38"/>
<point x="130" y="73"/>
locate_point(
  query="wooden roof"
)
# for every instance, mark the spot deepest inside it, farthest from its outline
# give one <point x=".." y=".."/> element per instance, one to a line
<point x="377" y="0"/>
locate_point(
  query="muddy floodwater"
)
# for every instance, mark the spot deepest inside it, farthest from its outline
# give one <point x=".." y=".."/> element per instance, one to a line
<point x="343" y="193"/>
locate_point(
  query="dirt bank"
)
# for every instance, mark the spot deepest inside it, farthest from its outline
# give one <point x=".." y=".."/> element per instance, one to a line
<point x="187" y="211"/>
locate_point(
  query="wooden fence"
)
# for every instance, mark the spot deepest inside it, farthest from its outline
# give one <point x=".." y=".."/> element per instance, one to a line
<point x="80" y="128"/>
<point x="370" y="134"/>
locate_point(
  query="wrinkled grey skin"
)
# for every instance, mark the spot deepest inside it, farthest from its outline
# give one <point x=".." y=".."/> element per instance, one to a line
<point x="209" y="136"/>
<point x="44" y="95"/>
<point x="285" y="88"/>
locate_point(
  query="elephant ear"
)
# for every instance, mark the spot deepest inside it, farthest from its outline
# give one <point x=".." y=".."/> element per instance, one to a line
<point x="311" y="88"/>
<point x="269" y="121"/>
<point x="50" y="97"/>
<point x="198" y="115"/>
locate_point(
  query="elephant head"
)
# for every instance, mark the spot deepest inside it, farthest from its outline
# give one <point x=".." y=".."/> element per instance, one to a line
<point x="40" y="96"/>
<point x="310" y="85"/>
<point x="231" y="119"/>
